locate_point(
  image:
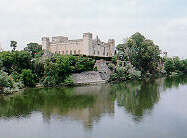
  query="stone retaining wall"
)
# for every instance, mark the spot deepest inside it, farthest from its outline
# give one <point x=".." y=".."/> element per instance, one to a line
<point x="93" y="77"/>
<point x="89" y="77"/>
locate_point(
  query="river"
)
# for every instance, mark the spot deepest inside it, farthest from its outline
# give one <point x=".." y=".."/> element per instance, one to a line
<point x="137" y="109"/>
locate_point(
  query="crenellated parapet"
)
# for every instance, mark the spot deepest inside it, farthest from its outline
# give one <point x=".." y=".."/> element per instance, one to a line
<point x="85" y="46"/>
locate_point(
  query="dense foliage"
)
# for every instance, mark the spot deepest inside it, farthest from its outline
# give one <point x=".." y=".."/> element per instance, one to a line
<point x="137" y="57"/>
<point x="15" y="61"/>
<point x="28" y="78"/>
<point x="175" y="66"/>
<point x="33" y="49"/>
<point x="59" y="67"/>
<point x="5" y="80"/>
<point x="25" y="68"/>
<point x="143" y="54"/>
<point x="128" y="72"/>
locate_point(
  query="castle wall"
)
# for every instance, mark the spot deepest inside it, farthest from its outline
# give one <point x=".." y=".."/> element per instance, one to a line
<point x="69" y="48"/>
<point x="86" y="46"/>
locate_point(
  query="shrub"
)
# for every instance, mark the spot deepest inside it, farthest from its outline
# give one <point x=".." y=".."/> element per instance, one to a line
<point x="15" y="61"/>
<point x="111" y="66"/>
<point x="1" y="64"/>
<point x="175" y="65"/>
<point x="38" y="67"/>
<point x="68" y="81"/>
<point x="28" y="78"/>
<point x="83" y="64"/>
<point x="5" y="80"/>
<point x="15" y="76"/>
<point x="128" y="72"/>
<point x="49" y="81"/>
<point x="59" y="67"/>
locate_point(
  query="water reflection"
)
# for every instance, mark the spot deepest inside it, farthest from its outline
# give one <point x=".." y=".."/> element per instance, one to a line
<point x="88" y="104"/>
<point x="137" y="97"/>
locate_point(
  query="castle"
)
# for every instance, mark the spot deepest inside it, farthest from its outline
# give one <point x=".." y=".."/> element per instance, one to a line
<point x="85" y="46"/>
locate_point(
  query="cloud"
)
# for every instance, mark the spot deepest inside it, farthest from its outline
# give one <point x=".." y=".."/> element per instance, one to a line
<point x="163" y="21"/>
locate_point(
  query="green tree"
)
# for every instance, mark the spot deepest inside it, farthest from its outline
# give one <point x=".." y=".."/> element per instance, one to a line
<point x="13" y="44"/>
<point x="141" y="52"/>
<point x="175" y="65"/>
<point x="28" y="78"/>
<point x="15" y="61"/>
<point x="33" y="48"/>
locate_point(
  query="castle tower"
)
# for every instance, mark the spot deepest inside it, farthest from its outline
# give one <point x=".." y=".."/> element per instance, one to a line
<point x="111" y="43"/>
<point x="87" y="43"/>
<point x="45" y="43"/>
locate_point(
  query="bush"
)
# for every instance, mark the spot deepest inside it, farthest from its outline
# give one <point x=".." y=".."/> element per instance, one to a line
<point x="49" y="81"/>
<point x="83" y="64"/>
<point x="38" y="67"/>
<point x="5" y="80"/>
<point x="59" y="67"/>
<point x="1" y="64"/>
<point x="28" y="78"/>
<point x="125" y="73"/>
<point x="15" y="76"/>
<point x="15" y="61"/>
<point x="175" y="66"/>
<point x="68" y="81"/>
<point x="111" y="66"/>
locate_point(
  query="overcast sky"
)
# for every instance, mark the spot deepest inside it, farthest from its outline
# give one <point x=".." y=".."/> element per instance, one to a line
<point x="163" y="21"/>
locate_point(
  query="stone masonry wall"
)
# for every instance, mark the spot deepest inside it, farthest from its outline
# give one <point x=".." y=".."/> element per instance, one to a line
<point x="89" y="77"/>
<point x="92" y="77"/>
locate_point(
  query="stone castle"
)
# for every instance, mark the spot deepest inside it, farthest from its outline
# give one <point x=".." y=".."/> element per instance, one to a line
<point x="85" y="46"/>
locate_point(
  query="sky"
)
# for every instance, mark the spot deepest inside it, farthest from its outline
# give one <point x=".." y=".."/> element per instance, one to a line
<point x="163" y="21"/>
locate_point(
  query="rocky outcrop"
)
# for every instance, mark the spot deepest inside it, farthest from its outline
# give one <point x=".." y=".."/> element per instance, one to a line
<point x="103" y="69"/>
<point x="89" y="77"/>
<point x="102" y="74"/>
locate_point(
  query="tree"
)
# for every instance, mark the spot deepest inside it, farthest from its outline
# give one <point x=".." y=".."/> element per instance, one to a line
<point x="141" y="52"/>
<point x="13" y="44"/>
<point x="175" y="65"/>
<point x="28" y="79"/>
<point x="33" y="48"/>
<point x="15" y="61"/>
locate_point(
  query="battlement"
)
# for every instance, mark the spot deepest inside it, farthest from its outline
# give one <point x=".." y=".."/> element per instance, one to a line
<point x="59" y="39"/>
<point x="85" y="46"/>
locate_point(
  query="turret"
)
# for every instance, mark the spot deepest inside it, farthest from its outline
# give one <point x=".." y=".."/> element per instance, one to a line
<point x="111" y="43"/>
<point x="45" y="43"/>
<point x="87" y="43"/>
<point x="59" y="39"/>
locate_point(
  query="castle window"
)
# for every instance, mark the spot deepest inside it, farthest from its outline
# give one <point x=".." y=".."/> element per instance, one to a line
<point x="107" y="54"/>
<point x="94" y="52"/>
<point x="79" y="52"/>
<point x="71" y="52"/>
<point x="75" y="52"/>
<point x="98" y="52"/>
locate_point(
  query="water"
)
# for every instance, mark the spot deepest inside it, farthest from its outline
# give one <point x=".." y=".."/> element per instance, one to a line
<point x="139" y="109"/>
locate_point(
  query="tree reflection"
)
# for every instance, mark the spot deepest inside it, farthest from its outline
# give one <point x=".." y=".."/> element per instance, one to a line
<point x="46" y="100"/>
<point x="137" y="97"/>
<point x="174" y="82"/>
<point x="89" y="103"/>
